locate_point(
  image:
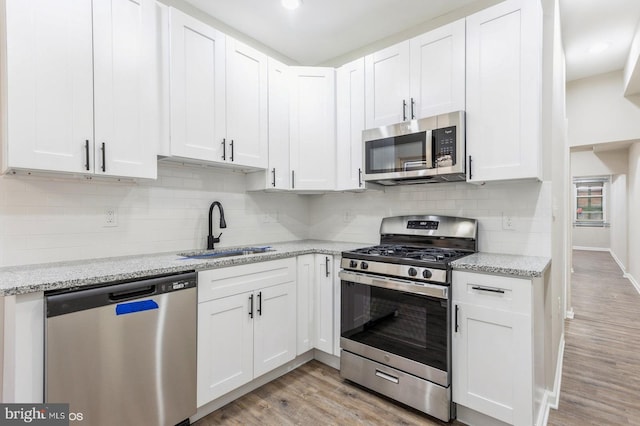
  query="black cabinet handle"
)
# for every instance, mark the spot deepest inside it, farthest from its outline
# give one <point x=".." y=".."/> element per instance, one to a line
<point x="457" y="308"/>
<point x="273" y="181"/>
<point x="326" y="266"/>
<point x="413" y="116"/>
<point x="86" y="152"/>
<point x="404" y="110"/>
<point x="293" y="179"/>
<point x="251" y="306"/>
<point x="224" y="149"/>
<point x="231" y="158"/>
<point x="104" y="156"/>
<point x="491" y="290"/>
<point x="360" y="178"/>
<point x="260" y="303"/>
<point x="470" y="174"/>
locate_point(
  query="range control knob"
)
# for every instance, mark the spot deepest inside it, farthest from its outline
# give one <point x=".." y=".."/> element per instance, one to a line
<point x="364" y="265"/>
<point x="426" y="274"/>
<point x="353" y="264"/>
<point x="412" y="272"/>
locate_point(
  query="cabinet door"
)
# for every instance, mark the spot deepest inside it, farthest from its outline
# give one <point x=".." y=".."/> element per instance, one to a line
<point x="313" y="134"/>
<point x="125" y="126"/>
<point x="274" y="327"/>
<point x="305" y="306"/>
<point x="324" y="303"/>
<point x="225" y="346"/>
<point x="50" y="85"/>
<point x="279" y="170"/>
<point x="492" y="361"/>
<point x="197" y="90"/>
<point x="246" y="105"/>
<point x="387" y="86"/>
<point x="503" y="91"/>
<point x="336" y="305"/>
<point x="350" y="124"/>
<point x="438" y="71"/>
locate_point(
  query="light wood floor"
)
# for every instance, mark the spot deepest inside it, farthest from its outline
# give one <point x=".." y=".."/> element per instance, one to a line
<point x="600" y="382"/>
<point x="601" y="374"/>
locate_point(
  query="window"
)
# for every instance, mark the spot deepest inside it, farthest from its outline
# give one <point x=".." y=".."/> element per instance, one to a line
<point x="590" y="201"/>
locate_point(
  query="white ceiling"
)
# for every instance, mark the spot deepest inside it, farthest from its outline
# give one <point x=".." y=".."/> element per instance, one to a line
<point x="321" y="30"/>
<point x="587" y="22"/>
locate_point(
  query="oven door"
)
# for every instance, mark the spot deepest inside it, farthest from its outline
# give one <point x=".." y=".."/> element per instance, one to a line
<point x="398" y="323"/>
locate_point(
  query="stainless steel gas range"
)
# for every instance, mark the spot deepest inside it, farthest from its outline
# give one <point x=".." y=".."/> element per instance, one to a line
<point x="395" y="330"/>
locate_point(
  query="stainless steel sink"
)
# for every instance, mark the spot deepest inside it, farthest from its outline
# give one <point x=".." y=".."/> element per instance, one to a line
<point x="212" y="254"/>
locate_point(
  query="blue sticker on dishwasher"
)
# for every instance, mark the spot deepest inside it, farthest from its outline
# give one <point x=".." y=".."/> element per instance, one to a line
<point x="131" y="307"/>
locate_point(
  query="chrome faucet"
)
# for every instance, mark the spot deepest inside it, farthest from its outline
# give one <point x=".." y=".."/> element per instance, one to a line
<point x="211" y="240"/>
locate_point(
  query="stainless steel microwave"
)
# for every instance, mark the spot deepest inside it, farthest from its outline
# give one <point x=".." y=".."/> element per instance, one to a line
<point x="430" y="149"/>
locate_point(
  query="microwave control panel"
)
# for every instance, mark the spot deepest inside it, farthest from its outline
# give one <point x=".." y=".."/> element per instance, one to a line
<point x="444" y="146"/>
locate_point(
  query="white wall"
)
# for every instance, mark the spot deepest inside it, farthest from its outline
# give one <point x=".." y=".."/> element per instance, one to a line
<point x="618" y="218"/>
<point x="633" y="200"/>
<point x="54" y="219"/>
<point x="598" y="111"/>
<point x="356" y="217"/>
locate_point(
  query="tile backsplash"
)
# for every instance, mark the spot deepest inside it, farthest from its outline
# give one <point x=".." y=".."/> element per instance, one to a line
<point x="356" y="217"/>
<point x="45" y="219"/>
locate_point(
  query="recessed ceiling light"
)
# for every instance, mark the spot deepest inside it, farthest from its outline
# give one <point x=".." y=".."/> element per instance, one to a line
<point x="291" y="4"/>
<point x="598" y="48"/>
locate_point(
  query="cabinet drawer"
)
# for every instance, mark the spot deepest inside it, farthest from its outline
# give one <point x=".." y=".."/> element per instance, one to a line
<point x="505" y="293"/>
<point x="223" y="282"/>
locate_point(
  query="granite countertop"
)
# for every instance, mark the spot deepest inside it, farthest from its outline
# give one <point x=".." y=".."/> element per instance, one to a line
<point x="62" y="275"/>
<point x="503" y="264"/>
<point x="75" y="274"/>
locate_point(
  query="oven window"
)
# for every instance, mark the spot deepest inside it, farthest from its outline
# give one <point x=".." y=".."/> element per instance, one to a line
<point x="397" y="154"/>
<point x="408" y="325"/>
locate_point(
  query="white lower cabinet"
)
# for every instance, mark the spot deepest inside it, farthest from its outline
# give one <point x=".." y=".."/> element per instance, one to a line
<point x="316" y="302"/>
<point x="492" y="346"/>
<point x="245" y="317"/>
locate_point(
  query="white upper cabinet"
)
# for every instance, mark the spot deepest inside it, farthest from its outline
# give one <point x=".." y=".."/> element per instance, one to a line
<point x="387" y="86"/>
<point x="198" y="107"/>
<point x="49" y="95"/>
<point x="504" y="68"/>
<point x="76" y="70"/>
<point x="417" y="78"/>
<point x="438" y="71"/>
<point x="279" y="170"/>
<point x="313" y="134"/>
<point x="350" y="123"/>
<point x="247" y="118"/>
<point x="126" y="125"/>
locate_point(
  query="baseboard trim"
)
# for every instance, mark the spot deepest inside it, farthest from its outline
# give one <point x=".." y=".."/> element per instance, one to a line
<point x="590" y="248"/>
<point x="551" y="398"/>
<point x="619" y="262"/>
<point x="633" y="281"/>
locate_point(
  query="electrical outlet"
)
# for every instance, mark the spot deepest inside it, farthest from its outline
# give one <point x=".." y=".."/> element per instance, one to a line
<point x="110" y="217"/>
<point x="508" y="222"/>
<point x="348" y="216"/>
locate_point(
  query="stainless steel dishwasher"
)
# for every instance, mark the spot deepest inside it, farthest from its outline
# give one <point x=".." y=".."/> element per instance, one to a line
<point x="124" y="353"/>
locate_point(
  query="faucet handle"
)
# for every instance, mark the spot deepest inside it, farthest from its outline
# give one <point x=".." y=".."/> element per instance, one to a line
<point x="218" y="237"/>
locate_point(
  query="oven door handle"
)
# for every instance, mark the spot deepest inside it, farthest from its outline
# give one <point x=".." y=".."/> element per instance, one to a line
<point x="437" y="291"/>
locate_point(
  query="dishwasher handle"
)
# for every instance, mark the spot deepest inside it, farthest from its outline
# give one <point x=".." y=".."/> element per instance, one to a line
<point x="127" y="294"/>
